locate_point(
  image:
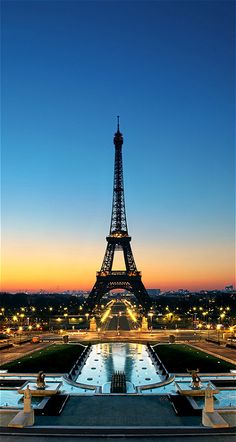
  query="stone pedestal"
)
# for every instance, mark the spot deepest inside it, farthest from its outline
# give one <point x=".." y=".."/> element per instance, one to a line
<point x="209" y="400"/>
<point x="210" y="417"/>
<point x="92" y="325"/>
<point x="27" y="400"/>
<point x="24" y="418"/>
<point x="144" y="326"/>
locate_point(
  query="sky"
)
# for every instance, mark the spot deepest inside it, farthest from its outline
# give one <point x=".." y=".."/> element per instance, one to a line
<point x="68" y="69"/>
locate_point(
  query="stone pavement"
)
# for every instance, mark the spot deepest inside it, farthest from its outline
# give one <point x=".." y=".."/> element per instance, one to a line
<point x="118" y="411"/>
<point x="226" y="353"/>
<point x="10" y="354"/>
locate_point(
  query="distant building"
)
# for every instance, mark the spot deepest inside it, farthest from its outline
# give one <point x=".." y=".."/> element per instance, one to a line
<point x="229" y="288"/>
<point x="154" y="292"/>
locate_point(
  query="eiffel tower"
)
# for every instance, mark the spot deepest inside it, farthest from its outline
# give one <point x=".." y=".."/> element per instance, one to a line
<point x="118" y="239"/>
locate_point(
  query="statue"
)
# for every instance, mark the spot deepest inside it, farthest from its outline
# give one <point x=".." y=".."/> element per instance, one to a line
<point x="40" y="380"/>
<point x="196" y="381"/>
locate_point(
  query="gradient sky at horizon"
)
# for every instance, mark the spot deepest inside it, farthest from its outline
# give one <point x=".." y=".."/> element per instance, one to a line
<point x="68" y="68"/>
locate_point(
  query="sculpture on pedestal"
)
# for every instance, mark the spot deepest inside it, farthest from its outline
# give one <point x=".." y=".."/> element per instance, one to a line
<point x="41" y="380"/>
<point x="196" y="381"/>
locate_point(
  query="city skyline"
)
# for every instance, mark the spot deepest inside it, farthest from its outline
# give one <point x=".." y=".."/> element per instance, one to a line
<point x="68" y="69"/>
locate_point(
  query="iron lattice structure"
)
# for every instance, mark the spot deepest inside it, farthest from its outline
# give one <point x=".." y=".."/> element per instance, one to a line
<point x="118" y="239"/>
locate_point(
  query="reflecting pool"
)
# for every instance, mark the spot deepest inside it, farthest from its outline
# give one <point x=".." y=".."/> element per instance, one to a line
<point x="132" y="359"/>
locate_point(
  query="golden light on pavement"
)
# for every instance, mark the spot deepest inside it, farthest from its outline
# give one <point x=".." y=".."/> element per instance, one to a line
<point x="131" y="314"/>
<point x="105" y="316"/>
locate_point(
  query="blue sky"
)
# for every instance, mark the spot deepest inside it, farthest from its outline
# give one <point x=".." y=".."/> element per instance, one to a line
<point x="167" y="68"/>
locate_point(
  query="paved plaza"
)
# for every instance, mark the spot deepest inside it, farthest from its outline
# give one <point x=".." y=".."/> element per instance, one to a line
<point x="118" y="411"/>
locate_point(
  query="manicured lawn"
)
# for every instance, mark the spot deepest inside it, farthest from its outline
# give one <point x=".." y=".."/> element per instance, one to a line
<point x="177" y="358"/>
<point x="54" y="359"/>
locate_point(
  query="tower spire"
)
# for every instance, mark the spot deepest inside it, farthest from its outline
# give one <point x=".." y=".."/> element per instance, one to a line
<point x="118" y="123"/>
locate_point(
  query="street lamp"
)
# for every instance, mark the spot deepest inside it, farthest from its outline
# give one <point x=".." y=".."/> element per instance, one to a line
<point x="151" y="316"/>
<point x="218" y="327"/>
<point x="222" y="316"/>
<point x="208" y="330"/>
<point x="20" y="331"/>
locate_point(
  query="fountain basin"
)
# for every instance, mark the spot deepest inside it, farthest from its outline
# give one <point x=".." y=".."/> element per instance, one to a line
<point x="185" y="388"/>
<point x="50" y="389"/>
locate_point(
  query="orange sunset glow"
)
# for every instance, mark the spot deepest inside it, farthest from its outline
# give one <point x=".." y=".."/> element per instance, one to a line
<point x="67" y="265"/>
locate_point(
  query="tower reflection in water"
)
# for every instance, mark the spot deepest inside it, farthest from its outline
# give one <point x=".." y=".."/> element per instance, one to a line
<point x="107" y="358"/>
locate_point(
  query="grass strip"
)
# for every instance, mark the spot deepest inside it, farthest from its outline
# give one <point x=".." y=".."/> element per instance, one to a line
<point x="54" y="359"/>
<point x="177" y="358"/>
